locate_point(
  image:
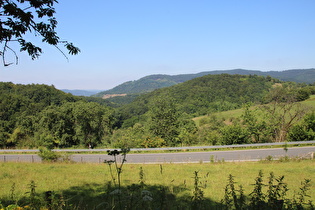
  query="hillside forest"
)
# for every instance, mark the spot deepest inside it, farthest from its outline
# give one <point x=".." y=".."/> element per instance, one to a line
<point x="260" y="109"/>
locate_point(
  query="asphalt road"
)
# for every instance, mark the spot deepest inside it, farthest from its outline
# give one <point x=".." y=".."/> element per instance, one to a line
<point x="181" y="157"/>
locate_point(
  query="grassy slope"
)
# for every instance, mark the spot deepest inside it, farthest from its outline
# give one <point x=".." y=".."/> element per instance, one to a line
<point x="238" y="112"/>
<point x="87" y="181"/>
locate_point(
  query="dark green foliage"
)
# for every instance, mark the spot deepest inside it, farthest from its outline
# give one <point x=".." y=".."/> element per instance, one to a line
<point x="203" y="95"/>
<point x="229" y="194"/>
<point x="302" y="95"/>
<point x="153" y="82"/>
<point x="99" y="101"/>
<point x="304" y="131"/>
<point x="274" y="198"/>
<point x="19" y="18"/>
<point x="18" y="105"/>
<point x="143" y="85"/>
<point x="209" y="130"/>
<point x="118" y="101"/>
<point x="219" y="92"/>
<point x="214" y="93"/>
<point x="141" y="177"/>
<point x="310" y="121"/>
<point x="302" y="194"/>
<point x="47" y="155"/>
<point x="198" y="194"/>
<point x="164" y="119"/>
<point x="136" y="136"/>
<point x="257" y="197"/>
<point x="91" y="122"/>
<point x="234" y="134"/>
<point x="258" y="130"/>
<point x="83" y="124"/>
<point x="298" y="133"/>
<point x="283" y="110"/>
<point x="33" y="200"/>
<point x="40" y="115"/>
<point x="231" y="200"/>
<point x="276" y="192"/>
<point x="187" y="131"/>
<point x="132" y="113"/>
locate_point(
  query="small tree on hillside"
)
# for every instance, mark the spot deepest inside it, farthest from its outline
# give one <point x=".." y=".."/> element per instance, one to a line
<point x="234" y="134"/>
<point x="304" y="131"/>
<point x="258" y="129"/>
<point x="164" y="119"/>
<point x="283" y="111"/>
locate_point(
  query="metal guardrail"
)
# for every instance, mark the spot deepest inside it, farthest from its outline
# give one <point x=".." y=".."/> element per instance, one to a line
<point x="171" y="148"/>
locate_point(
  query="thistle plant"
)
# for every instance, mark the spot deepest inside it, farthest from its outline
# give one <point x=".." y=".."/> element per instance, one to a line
<point x="118" y="170"/>
<point x="118" y="166"/>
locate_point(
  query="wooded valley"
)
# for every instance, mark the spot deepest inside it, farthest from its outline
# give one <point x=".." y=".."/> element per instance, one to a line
<point x="33" y="116"/>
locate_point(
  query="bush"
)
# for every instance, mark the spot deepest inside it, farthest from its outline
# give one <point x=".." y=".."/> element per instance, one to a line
<point x="235" y="134"/>
<point x="48" y="155"/>
<point x="272" y="198"/>
<point x="298" y="133"/>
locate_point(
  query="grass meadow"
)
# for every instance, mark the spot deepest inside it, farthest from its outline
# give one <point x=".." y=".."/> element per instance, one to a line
<point x="87" y="184"/>
<point x="309" y="104"/>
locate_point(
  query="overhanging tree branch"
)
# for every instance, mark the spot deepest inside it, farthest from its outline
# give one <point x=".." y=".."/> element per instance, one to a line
<point x="3" y="58"/>
<point x="21" y="17"/>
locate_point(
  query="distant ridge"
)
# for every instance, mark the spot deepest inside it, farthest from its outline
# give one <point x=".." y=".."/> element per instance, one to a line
<point x="153" y="82"/>
<point x="81" y="92"/>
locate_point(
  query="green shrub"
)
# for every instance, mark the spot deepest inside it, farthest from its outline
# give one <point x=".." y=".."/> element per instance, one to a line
<point x="48" y="155"/>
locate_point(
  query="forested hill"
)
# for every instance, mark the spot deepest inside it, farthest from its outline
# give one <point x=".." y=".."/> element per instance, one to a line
<point x="204" y="95"/>
<point x="153" y="82"/>
<point x="40" y="115"/>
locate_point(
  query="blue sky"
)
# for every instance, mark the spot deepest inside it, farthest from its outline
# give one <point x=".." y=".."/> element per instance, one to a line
<point x="123" y="40"/>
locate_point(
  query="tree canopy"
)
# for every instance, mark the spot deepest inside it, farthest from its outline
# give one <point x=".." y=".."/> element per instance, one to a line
<point x="19" y="18"/>
<point x="40" y="115"/>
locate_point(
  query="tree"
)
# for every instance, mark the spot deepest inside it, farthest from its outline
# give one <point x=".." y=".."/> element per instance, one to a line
<point x="18" y="18"/>
<point x="187" y="131"/>
<point x="73" y="123"/>
<point x="298" y="133"/>
<point x="283" y="111"/>
<point x="234" y="134"/>
<point x="258" y="128"/>
<point x="164" y="119"/>
<point x="92" y="122"/>
<point x="304" y="131"/>
<point x="55" y="126"/>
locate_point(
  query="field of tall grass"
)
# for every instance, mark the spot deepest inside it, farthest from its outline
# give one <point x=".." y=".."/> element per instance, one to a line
<point x="87" y="185"/>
